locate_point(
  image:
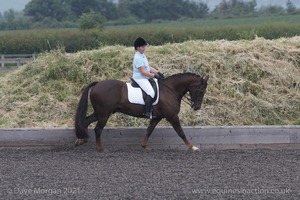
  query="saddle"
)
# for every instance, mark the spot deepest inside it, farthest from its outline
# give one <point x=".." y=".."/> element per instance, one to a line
<point x="138" y="96"/>
<point x="153" y="84"/>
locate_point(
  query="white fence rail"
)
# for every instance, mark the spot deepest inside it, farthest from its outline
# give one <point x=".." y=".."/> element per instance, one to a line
<point x="15" y="59"/>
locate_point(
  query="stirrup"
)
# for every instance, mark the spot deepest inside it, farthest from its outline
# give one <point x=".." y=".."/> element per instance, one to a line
<point x="149" y="115"/>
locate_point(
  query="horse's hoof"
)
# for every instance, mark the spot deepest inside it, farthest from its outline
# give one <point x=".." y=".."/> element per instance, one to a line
<point x="79" y="142"/>
<point x="194" y="148"/>
<point x="102" y="150"/>
<point x="147" y="149"/>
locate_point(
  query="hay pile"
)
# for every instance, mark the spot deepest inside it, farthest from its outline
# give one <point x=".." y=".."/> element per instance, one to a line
<point x="251" y="83"/>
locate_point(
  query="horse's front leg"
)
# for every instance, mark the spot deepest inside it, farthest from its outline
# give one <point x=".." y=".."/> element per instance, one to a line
<point x="153" y="123"/>
<point x="174" y="121"/>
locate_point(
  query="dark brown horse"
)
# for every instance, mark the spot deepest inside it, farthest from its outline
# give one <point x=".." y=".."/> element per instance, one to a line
<point x="110" y="96"/>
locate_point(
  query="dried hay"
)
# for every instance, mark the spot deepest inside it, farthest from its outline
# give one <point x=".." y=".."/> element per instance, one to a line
<point x="251" y="83"/>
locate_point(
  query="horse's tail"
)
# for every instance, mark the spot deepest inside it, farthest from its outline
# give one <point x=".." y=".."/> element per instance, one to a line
<point x="80" y="129"/>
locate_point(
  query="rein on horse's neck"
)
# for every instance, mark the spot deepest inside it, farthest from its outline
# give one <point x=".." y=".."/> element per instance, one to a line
<point x="180" y="80"/>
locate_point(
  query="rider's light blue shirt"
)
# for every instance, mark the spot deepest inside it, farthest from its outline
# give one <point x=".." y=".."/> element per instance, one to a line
<point x="139" y="60"/>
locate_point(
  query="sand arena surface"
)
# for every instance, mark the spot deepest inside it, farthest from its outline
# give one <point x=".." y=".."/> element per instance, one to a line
<point x="84" y="173"/>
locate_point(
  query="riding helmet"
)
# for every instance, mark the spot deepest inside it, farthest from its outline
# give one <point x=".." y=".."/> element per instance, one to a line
<point x="139" y="42"/>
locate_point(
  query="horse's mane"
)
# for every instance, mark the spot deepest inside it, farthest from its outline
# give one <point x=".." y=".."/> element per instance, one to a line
<point x="182" y="74"/>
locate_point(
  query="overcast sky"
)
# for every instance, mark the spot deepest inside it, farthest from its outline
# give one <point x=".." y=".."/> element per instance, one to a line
<point x="12" y="4"/>
<point x="19" y="5"/>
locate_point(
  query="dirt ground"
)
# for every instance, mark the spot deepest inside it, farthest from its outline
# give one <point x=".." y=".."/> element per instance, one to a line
<point x="83" y="173"/>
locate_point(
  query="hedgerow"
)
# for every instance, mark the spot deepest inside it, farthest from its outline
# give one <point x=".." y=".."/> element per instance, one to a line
<point x="73" y="40"/>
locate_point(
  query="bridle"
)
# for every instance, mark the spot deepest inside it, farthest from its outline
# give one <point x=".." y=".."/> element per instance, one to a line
<point x="196" y="97"/>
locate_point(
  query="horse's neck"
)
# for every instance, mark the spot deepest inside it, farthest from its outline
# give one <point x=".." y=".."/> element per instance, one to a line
<point x="180" y="85"/>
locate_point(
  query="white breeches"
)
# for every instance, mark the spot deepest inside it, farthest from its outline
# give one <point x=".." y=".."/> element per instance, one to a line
<point x="146" y="86"/>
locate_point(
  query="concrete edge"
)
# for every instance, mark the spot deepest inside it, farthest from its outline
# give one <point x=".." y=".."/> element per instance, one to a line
<point x="205" y="137"/>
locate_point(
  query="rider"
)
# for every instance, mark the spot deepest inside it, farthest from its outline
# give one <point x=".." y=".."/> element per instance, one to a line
<point x="142" y="72"/>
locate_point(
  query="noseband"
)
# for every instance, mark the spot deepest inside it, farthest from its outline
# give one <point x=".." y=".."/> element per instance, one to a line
<point x="196" y="98"/>
<point x="191" y="101"/>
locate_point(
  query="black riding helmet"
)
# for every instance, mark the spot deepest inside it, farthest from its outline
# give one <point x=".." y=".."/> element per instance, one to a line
<point x="139" y="42"/>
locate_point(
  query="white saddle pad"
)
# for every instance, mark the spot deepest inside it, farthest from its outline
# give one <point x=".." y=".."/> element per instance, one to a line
<point x="135" y="95"/>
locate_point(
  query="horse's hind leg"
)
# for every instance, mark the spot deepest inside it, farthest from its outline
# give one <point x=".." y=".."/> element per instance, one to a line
<point x="88" y="120"/>
<point x="98" y="131"/>
<point x="151" y="126"/>
<point x="176" y="125"/>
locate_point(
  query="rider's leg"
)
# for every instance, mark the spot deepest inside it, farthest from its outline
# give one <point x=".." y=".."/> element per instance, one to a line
<point x="146" y="86"/>
<point x="148" y="107"/>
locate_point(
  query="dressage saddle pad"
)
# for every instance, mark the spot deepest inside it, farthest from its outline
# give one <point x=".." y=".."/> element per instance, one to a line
<point x="135" y="94"/>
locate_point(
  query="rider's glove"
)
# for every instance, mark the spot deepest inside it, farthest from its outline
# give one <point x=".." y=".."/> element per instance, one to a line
<point x="161" y="75"/>
<point x="157" y="76"/>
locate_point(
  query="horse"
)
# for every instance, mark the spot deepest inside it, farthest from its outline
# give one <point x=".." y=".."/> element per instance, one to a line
<point x="111" y="96"/>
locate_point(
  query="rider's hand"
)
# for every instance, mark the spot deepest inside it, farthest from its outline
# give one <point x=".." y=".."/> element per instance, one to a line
<point x="161" y="75"/>
<point x="157" y="76"/>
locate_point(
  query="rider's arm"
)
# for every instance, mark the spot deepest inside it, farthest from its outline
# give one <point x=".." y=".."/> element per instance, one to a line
<point x="144" y="72"/>
<point x="153" y="70"/>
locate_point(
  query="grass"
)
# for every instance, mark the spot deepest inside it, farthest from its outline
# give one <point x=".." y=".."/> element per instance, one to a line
<point x="74" y="40"/>
<point x="253" y="82"/>
<point x="208" y="23"/>
<point x="7" y="69"/>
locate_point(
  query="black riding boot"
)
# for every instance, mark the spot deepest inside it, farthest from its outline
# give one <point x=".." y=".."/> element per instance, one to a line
<point x="148" y="107"/>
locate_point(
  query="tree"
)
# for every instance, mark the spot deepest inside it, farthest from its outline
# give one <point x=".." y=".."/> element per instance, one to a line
<point x="235" y="8"/>
<point x="1" y="17"/>
<point x="10" y="15"/>
<point x="14" y="20"/>
<point x="222" y="8"/>
<point x="150" y="10"/>
<point x="56" y="9"/>
<point x="196" y="10"/>
<point x="105" y="7"/>
<point x="123" y="9"/>
<point x="290" y="7"/>
<point x="91" y="20"/>
<point x="271" y="10"/>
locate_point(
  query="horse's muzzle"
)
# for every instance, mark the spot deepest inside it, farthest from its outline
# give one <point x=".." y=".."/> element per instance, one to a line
<point x="194" y="106"/>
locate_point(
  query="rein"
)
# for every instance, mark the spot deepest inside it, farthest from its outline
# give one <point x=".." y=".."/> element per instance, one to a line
<point x="185" y="99"/>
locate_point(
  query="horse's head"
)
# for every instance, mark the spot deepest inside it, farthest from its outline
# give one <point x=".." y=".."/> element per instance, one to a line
<point x="197" y="91"/>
